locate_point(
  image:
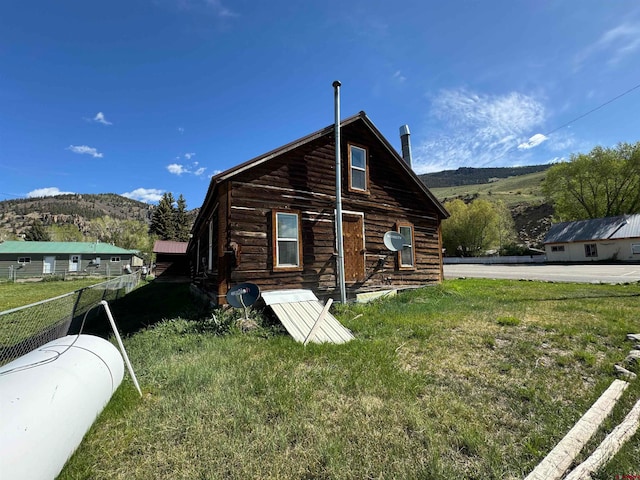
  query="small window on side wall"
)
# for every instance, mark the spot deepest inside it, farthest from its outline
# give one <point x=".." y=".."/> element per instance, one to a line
<point x="287" y="240"/>
<point x="358" y="169"/>
<point x="406" y="256"/>
<point x="24" y="260"/>
<point x="590" y="250"/>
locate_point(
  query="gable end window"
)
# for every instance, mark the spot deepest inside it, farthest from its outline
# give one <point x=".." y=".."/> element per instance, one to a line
<point x="590" y="250"/>
<point x="287" y="240"/>
<point x="358" y="169"/>
<point x="406" y="256"/>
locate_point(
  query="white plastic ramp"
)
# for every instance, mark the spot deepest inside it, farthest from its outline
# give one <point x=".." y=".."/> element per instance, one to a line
<point x="298" y="310"/>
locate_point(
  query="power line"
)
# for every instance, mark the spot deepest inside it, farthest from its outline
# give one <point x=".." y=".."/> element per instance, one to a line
<point x="580" y="117"/>
<point x="594" y="109"/>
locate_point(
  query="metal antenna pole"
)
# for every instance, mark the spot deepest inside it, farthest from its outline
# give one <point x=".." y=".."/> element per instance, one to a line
<point x="340" y="260"/>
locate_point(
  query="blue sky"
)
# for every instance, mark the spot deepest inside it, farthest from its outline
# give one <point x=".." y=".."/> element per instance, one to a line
<point x="142" y="97"/>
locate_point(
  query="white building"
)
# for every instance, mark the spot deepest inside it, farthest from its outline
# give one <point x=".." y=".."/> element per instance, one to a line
<point x="600" y="239"/>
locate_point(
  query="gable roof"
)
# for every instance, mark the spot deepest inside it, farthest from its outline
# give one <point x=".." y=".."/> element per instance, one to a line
<point x="361" y="116"/>
<point x="623" y="226"/>
<point x="168" y="246"/>
<point x="71" y="248"/>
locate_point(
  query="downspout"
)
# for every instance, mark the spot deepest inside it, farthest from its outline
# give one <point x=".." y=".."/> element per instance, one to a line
<point x="340" y="259"/>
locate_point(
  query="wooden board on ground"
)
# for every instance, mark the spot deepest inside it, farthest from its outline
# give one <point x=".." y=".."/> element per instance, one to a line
<point x="556" y="463"/>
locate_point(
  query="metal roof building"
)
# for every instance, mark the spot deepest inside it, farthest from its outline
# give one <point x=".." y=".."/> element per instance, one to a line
<point x="611" y="238"/>
<point x="20" y="259"/>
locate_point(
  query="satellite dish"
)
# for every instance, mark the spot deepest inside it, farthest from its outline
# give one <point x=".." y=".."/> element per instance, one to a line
<point x="243" y="295"/>
<point x="394" y="241"/>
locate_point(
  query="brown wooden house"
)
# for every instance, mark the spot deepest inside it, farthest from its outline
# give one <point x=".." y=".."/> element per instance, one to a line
<point x="271" y="220"/>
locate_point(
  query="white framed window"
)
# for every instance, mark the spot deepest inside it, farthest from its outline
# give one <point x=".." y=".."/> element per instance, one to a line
<point x="406" y="256"/>
<point x="287" y="240"/>
<point x="358" y="171"/>
<point x="590" y="250"/>
<point x="24" y="260"/>
<point x="115" y="259"/>
<point x="557" y="248"/>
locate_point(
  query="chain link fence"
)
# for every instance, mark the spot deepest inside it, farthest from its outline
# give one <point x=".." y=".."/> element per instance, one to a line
<point x="24" y="329"/>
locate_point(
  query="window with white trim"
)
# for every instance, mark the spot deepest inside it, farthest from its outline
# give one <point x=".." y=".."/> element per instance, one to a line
<point x="557" y="248"/>
<point x="287" y="240"/>
<point x="406" y="256"/>
<point x="24" y="260"/>
<point x="115" y="259"/>
<point x="358" y="174"/>
<point x="590" y="250"/>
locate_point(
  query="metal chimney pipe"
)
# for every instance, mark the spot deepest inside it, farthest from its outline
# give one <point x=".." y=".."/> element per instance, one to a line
<point x="406" y="144"/>
<point x="340" y="259"/>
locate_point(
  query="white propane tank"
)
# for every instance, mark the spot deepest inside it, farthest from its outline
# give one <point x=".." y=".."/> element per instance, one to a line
<point x="49" y="398"/>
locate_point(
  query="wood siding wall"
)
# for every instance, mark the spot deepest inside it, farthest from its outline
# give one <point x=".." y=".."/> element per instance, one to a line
<point x="304" y="180"/>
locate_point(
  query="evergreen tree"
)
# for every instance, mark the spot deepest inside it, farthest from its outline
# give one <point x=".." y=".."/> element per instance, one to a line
<point x="182" y="224"/>
<point x="163" y="221"/>
<point x="37" y="233"/>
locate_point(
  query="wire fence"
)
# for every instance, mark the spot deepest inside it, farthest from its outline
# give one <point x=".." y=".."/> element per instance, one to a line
<point x="24" y="329"/>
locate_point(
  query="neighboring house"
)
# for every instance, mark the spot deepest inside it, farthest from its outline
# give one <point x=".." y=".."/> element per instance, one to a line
<point x="612" y="238"/>
<point x="271" y="220"/>
<point x="171" y="259"/>
<point x="37" y="259"/>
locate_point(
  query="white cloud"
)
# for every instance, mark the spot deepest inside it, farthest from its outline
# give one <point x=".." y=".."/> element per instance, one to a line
<point x="180" y="168"/>
<point x="177" y="169"/>
<point x="46" y="192"/>
<point x="99" y="118"/>
<point x="533" y="141"/>
<point x="219" y="9"/>
<point x="147" y="195"/>
<point x="180" y="130"/>
<point x="85" y="150"/>
<point x="616" y="43"/>
<point x="476" y="129"/>
<point x="399" y="77"/>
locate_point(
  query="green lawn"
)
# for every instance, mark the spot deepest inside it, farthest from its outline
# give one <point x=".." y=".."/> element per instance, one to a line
<point x="18" y="294"/>
<point x="470" y="379"/>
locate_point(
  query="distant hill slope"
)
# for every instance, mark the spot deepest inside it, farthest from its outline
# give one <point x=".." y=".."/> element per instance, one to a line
<point x="474" y="176"/>
<point x="78" y="209"/>
<point x="520" y="188"/>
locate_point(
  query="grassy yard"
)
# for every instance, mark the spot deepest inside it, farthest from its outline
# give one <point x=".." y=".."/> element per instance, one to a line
<point x="469" y="379"/>
<point x="14" y="295"/>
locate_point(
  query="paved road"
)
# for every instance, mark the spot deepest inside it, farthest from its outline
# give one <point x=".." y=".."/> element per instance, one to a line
<point x="596" y="273"/>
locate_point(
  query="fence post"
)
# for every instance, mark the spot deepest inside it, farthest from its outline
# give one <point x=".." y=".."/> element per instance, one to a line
<point x="119" y="340"/>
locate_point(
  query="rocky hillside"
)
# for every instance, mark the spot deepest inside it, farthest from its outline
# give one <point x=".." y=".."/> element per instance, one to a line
<point x="76" y="209"/>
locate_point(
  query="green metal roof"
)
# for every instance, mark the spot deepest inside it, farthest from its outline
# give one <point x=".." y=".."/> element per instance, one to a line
<point x="71" y="248"/>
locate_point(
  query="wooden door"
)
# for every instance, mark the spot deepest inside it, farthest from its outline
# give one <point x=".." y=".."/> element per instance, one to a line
<point x="353" y="237"/>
